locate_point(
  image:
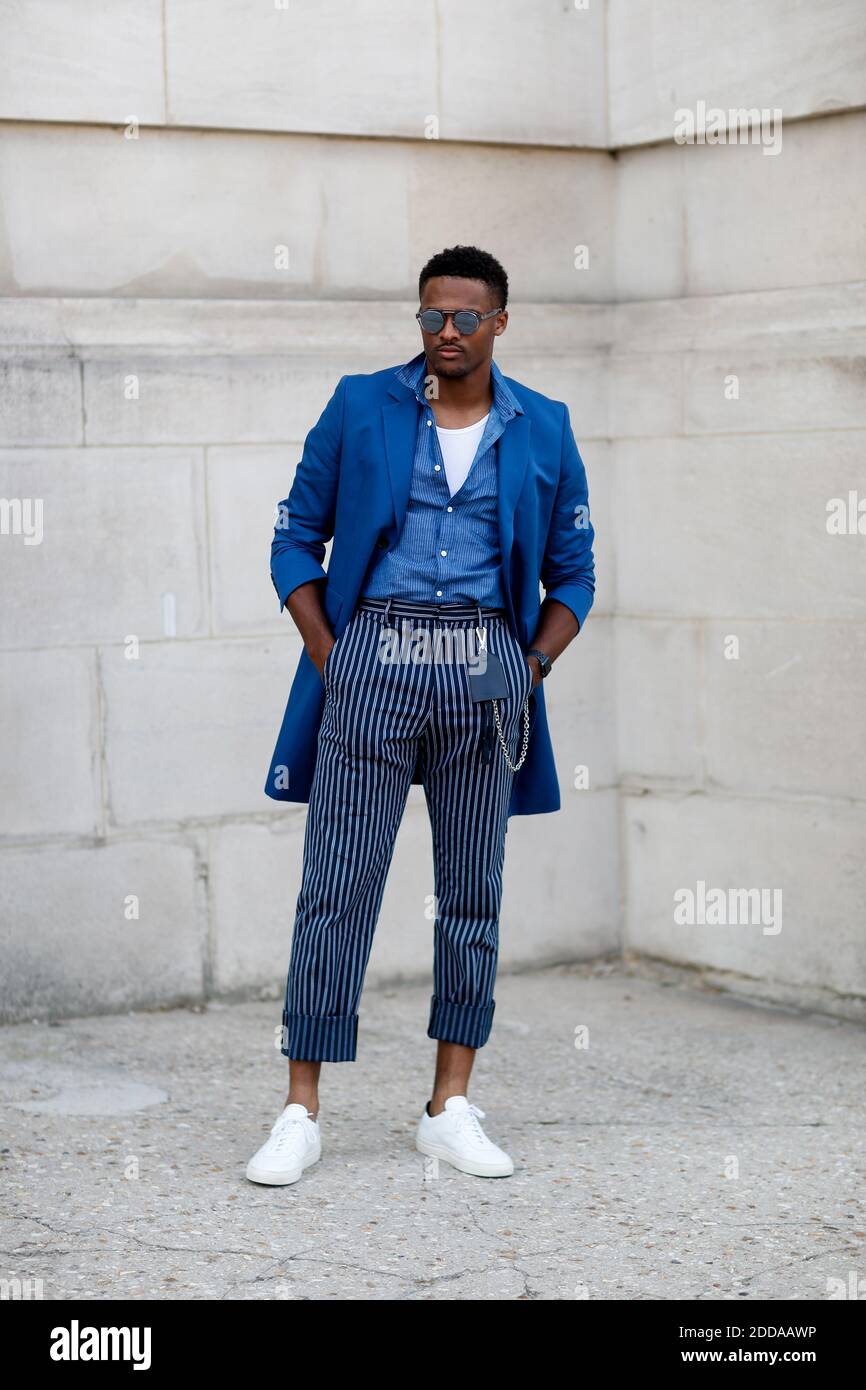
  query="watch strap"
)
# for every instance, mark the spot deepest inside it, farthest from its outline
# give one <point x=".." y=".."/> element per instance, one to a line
<point x="543" y="660"/>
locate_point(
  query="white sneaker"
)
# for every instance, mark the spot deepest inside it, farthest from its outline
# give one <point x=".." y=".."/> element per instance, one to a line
<point x="456" y="1136"/>
<point x="294" y="1143"/>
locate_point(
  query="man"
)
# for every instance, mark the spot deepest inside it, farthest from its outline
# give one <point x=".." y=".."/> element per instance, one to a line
<point x="451" y="492"/>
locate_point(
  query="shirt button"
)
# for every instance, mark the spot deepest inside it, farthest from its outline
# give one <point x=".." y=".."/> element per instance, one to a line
<point x="443" y="552"/>
<point x="436" y="467"/>
<point x="450" y="509"/>
<point x="438" y="593"/>
<point x="429" y="423"/>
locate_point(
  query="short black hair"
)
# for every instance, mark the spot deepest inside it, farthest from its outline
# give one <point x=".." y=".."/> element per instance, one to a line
<point x="469" y="263"/>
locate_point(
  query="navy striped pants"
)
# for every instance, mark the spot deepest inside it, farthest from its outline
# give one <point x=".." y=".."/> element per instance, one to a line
<point x="383" y="711"/>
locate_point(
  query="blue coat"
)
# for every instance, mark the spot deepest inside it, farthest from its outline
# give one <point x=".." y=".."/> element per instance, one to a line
<point x="352" y="484"/>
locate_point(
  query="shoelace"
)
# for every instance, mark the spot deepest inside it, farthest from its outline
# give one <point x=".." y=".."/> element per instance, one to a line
<point x="285" y="1129"/>
<point x="470" y="1117"/>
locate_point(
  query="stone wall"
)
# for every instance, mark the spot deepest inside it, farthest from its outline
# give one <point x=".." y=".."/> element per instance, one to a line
<point x="205" y="222"/>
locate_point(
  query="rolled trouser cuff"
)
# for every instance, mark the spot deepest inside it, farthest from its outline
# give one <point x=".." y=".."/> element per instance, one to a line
<point x="468" y="1024"/>
<point x="313" y="1038"/>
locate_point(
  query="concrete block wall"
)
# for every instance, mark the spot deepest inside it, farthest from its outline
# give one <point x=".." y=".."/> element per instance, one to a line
<point x="739" y="651"/>
<point x="317" y="66"/>
<point x="146" y="665"/>
<point x="294" y="218"/>
<point x="665" y="54"/>
<point x="210" y="212"/>
<point x="736" y="417"/>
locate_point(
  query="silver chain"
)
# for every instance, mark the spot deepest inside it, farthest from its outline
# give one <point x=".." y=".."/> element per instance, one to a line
<point x="515" y="767"/>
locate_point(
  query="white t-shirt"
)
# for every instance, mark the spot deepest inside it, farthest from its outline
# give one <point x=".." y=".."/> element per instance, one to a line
<point x="459" y="448"/>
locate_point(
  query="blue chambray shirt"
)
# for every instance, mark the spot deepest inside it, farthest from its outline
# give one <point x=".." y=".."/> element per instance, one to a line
<point x="448" y="550"/>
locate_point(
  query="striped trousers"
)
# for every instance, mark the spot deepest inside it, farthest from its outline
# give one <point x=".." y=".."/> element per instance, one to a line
<point x="397" y="690"/>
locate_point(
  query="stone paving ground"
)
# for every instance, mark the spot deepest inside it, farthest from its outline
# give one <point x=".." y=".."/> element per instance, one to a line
<point x="699" y="1147"/>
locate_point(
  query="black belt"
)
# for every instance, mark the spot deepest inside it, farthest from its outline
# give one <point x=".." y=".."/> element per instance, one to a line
<point x="409" y="608"/>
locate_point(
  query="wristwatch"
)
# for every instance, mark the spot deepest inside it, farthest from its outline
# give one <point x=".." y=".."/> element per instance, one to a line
<point x="544" y="661"/>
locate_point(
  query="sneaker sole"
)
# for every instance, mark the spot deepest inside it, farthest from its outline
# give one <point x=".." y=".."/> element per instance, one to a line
<point x="465" y="1165"/>
<point x="269" y="1179"/>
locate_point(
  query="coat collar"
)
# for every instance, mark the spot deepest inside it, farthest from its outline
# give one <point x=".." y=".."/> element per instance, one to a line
<point x="413" y="373"/>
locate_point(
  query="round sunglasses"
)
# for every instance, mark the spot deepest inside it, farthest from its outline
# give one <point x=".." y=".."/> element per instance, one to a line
<point x="465" y="320"/>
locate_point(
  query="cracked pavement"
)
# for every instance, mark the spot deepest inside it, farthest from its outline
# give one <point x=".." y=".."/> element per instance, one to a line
<point x="700" y="1147"/>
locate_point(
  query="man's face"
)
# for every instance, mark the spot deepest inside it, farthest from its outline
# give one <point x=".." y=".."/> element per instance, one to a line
<point x="450" y="353"/>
